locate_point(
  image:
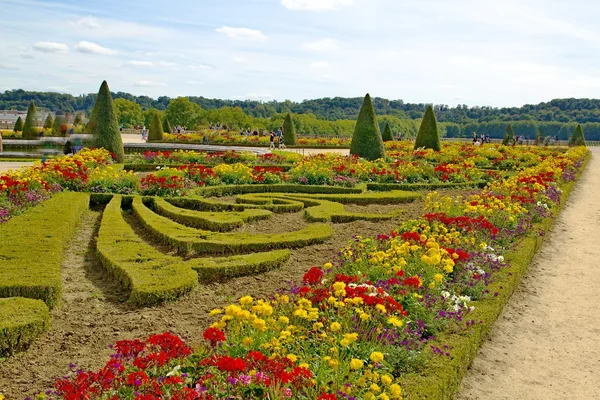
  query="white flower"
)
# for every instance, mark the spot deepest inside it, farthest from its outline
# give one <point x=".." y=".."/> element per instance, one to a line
<point x="174" y="371"/>
<point x="501" y="258"/>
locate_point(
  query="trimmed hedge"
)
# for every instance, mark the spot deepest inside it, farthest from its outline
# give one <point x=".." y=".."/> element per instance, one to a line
<point x="444" y="374"/>
<point x="277" y="205"/>
<point x="151" y="276"/>
<point x="366" y="140"/>
<point x="221" y="268"/>
<point x="392" y="197"/>
<point x="279" y="188"/>
<point x="212" y="221"/>
<point x="202" y="204"/>
<point x="428" y="136"/>
<point x="31" y="253"/>
<point x="23" y="320"/>
<point x="189" y="240"/>
<point x="385" y="187"/>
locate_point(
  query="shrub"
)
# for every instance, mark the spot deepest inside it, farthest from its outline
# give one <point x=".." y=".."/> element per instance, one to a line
<point x="18" y="125"/>
<point x="29" y="131"/>
<point x="289" y="131"/>
<point x="56" y="126"/>
<point x="509" y="136"/>
<point x="167" y="127"/>
<point x="429" y="135"/>
<point x="578" y="138"/>
<point x="387" y="133"/>
<point x="156" y="130"/>
<point x="104" y="125"/>
<point x="49" y="121"/>
<point x="22" y="321"/>
<point x="367" y="141"/>
<point x="77" y="120"/>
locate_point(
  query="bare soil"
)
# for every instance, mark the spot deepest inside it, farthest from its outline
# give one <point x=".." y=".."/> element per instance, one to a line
<point x="545" y="344"/>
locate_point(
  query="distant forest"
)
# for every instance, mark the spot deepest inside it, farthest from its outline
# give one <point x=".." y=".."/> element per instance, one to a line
<point x="554" y="118"/>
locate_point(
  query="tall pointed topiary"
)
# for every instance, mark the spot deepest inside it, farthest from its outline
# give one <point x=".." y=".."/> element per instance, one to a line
<point x="387" y="133"/>
<point x="156" y="129"/>
<point x="429" y="135"/>
<point x="58" y="121"/>
<point x="509" y="136"/>
<point x="367" y="141"/>
<point x="167" y="127"/>
<point x="77" y="121"/>
<point x="29" y="131"/>
<point x="104" y="125"/>
<point x="289" y="131"/>
<point x="49" y="121"/>
<point x="578" y="138"/>
<point x="18" y="125"/>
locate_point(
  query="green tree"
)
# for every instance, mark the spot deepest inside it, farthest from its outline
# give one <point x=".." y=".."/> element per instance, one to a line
<point x="429" y="134"/>
<point x="156" y="130"/>
<point x="18" y="125"/>
<point x="129" y="113"/>
<point x="183" y="112"/>
<point x="49" y="121"/>
<point x="578" y="138"/>
<point x="366" y="141"/>
<point x="29" y="131"/>
<point x="78" y="119"/>
<point x="289" y="131"/>
<point x="387" y="133"/>
<point x="509" y="136"/>
<point x="104" y="125"/>
<point x="166" y="125"/>
<point x="58" y="121"/>
<point x="149" y="115"/>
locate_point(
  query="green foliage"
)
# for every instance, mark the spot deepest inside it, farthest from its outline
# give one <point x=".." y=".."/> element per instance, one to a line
<point x="23" y="320"/>
<point x="228" y="190"/>
<point x="156" y="130"/>
<point x="289" y="131"/>
<point x="151" y="276"/>
<point x="18" y="125"/>
<point x="29" y="131"/>
<point x="48" y="122"/>
<point x="78" y="120"/>
<point x="167" y="127"/>
<point x="30" y="261"/>
<point x="509" y="136"/>
<point x="367" y="141"/>
<point x="387" y="133"/>
<point x="578" y="138"/>
<point x="149" y="115"/>
<point x="429" y="135"/>
<point x="58" y="121"/>
<point x="183" y="112"/>
<point x="384" y="187"/>
<point x="129" y="113"/>
<point x="104" y="126"/>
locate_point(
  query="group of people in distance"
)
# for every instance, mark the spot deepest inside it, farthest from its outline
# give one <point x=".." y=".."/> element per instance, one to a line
<point x="483" y="139"/>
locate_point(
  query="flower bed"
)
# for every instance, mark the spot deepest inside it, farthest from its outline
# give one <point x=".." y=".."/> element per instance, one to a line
<point x="361" y="325"/>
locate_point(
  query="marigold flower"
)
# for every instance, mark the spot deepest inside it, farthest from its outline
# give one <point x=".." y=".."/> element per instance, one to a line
<point x="376" y="357"/>
<point x="356" y="364"/>
<point x="335" y="326"/>
<point x="246" y="300"/>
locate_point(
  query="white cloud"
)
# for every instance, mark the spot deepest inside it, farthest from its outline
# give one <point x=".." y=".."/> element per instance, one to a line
<point x="144" y="83"/>
<point x="51" y="47"/>
<point x="315" y="5"/>
<point x="241" y="33"/>
<point x="318" y="65"/>
<point x="238" y="59"/>
<point x="200" y="66"/>
<point x="86" y="22"/>
<point x="193" y="82"/>
<point x="7" y="66"/>
<point x="321" y="46"/>
<point x="93" y="48"/>
<point x="141" y="63"/>
<point x="27" y="56"/>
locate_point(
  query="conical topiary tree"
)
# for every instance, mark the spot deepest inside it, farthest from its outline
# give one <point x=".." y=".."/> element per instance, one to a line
<point x="49" y="121"/>
<point x="367" y="141"/>
<point x="387" y="133"/>
<point x="509" y="136"/>
<point x="539" y="137"/>
<point x="429" y="135"/>
<point x="56" y="125"/>
<point x="578" y="138"/>
<point x="167" y="127"/>
<point x="156" y="129"/>
<point x="77" y="121"/>
<point x="289" y="131"/>
<point x="18" y="125"/>
<point x="29" y="131"/>
<point x="104" y="125"/>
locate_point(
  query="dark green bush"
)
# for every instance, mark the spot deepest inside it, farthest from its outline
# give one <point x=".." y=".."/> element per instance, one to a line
<point x="367" y="141"/>
<point x="156" y="130"/>
<point x="387" y="133"/>
<point x="48" y="122"/>
<point x="18" y="125"/>
<point x="509" y="136"/>
<point x="289" y="131"/>
<point x="429" y="135"/>
<point x="104" y="125"/>
<point x="29" y="131"/>
<point x="167" y="127"/>
<point x="578" y="139"/>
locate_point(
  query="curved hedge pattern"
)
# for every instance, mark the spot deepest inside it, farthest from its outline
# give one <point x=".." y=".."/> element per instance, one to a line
<point x="22" y="321"/>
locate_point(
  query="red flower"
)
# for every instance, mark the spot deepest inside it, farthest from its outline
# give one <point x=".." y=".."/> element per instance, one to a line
<point x="213" y="335"/>
<point x="327" y="396"/>
<point x="313" y="276"/>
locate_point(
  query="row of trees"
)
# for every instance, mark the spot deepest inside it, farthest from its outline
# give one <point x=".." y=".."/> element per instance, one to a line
<point x="331" y="109"/>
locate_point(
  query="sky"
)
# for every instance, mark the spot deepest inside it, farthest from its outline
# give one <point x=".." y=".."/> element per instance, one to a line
<point x="474" y="52"/>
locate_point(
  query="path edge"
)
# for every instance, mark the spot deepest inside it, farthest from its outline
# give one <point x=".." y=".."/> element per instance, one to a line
<point x="442" y="377"/>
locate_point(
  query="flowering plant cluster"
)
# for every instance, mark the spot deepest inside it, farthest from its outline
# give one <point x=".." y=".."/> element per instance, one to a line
<point x="194" y="157"/>
<point x="356" y="324"/>
<point x="232" y="139"/>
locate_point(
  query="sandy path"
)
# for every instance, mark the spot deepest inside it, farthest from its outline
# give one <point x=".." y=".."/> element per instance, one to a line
<point x="12" y="165"/>
<point x="545" y="344"/>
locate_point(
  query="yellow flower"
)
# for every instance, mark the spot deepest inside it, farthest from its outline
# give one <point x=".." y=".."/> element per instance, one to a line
<point x="246" y="300"/>
<point x="375" y="388"/>
<point x="395" y="321"/>
<point x="386" y="380"/>
<point x="396" y="391"/>
<point x="335" y="327"/>
<point x="376" y="356"/>
<point x="247" y="341"/>
<point x="380" y="307"/>
<point x="304" y="365"/>
<point x="327" y="265"/>
<point x="356" y="364"/>
<point x="260" y="324"/>
<point x="284" y="320"/>
<point x="292" y="357"/>
<point x="214" y="312"/>
<point x="439" y="277"/>
<point x="383" y="396"/>
<point x="333" y="363"/>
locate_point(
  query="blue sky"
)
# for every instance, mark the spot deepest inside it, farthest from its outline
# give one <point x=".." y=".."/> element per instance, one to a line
<point x="485" y="52"/>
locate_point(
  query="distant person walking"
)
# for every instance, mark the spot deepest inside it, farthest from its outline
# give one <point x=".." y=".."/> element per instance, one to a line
<point x="272" y="140"/>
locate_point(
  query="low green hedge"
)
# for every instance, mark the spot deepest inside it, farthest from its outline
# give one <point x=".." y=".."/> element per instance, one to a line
<point x="228" y="190"/>
<point x="221" y="268"/>
<point x="444" y="374"/>
<point x="31" y="253"/>
<point x="151" y="276"/>
<point x="23" y="320"/>
<point x="276" y="204"/>
<point x="393" y="197"/>
<point x="202" y="204"/>
<point x="386" y="187"/>
<point x="212" y="221"/>
<point x="189" y="240"/>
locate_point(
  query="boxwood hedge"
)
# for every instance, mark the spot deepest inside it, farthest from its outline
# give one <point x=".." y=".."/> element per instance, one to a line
<point x="22" y="321"/>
